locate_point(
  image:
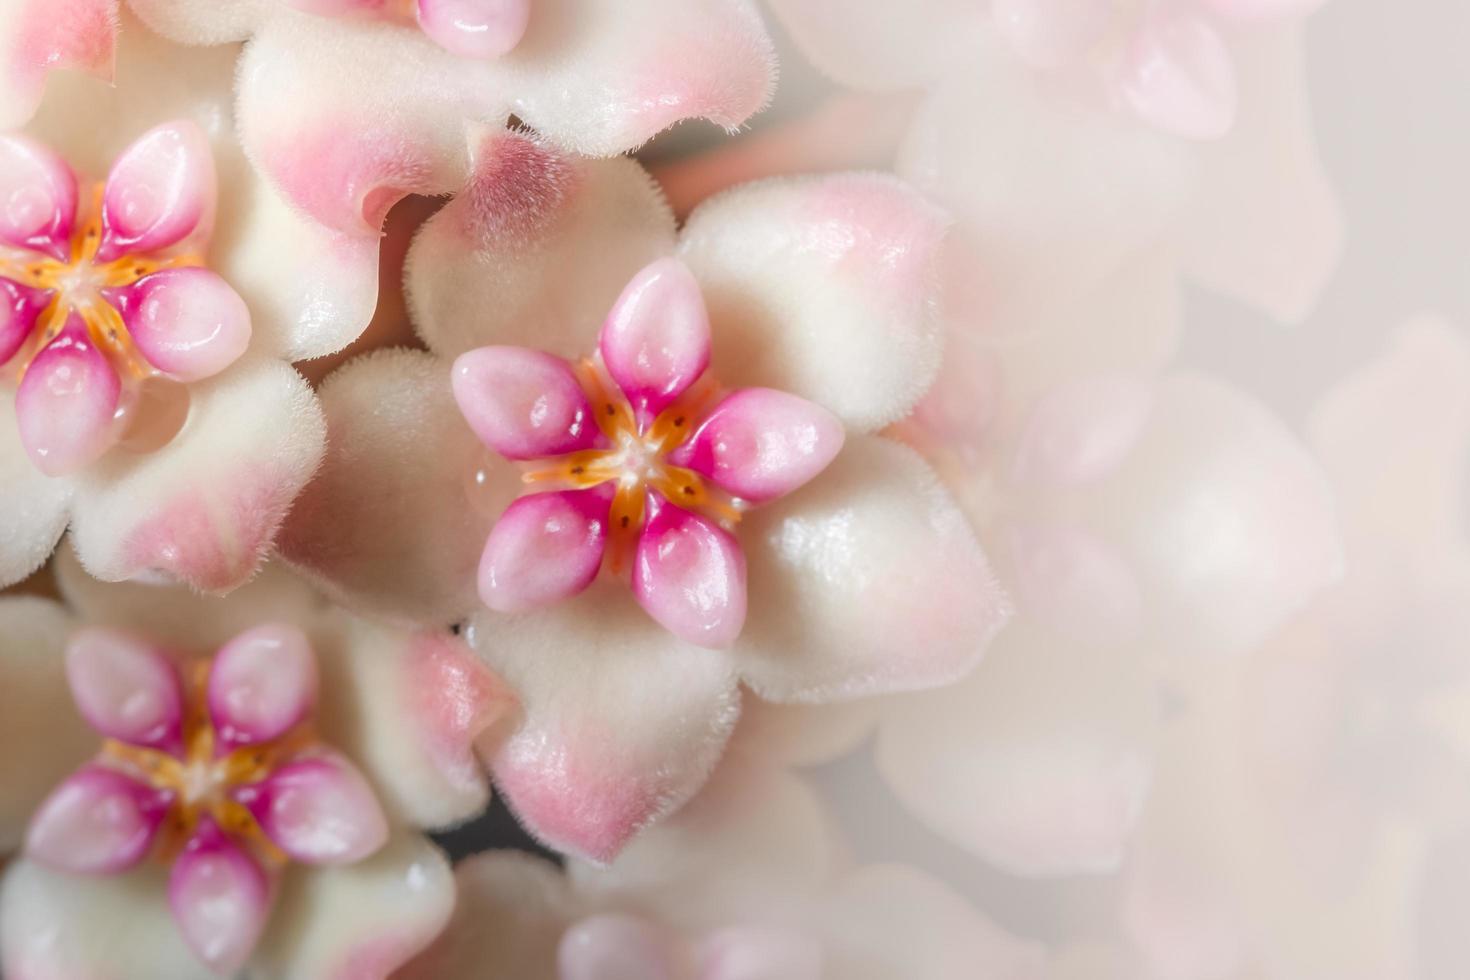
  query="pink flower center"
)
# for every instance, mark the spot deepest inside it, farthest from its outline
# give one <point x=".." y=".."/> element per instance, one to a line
<point x="637" y="461"/>
<point x="88" y="287"/>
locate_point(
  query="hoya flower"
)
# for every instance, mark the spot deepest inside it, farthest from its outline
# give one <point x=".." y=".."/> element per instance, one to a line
<point x="658" y="463"/>
<point x="348" y="106"/>
<point x="154" y="292"/>
<point x="749" y="880"/>
<point x="863" y="580"/>
<point x="1332" y="759"/>
<point x="253" y="775"/>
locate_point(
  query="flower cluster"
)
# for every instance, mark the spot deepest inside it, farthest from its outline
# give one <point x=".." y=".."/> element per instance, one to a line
<point x="378" y="428"/>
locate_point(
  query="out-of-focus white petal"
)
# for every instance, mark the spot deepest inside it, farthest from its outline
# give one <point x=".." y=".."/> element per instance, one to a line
<point x="35" y="509"/>
<point x="881" y="45"/>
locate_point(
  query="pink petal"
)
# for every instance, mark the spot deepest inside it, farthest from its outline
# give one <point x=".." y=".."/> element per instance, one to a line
<point x="475" y="28"/>
<point x="38" y="197"/>
<point x="1050" y="33"/>
<point x="656" y="340"/>
<point x="545" y="547"/>
<point x="760" y="444"/>
<point x="1068" y="577"/>
<point x="44" y="35"/>
<point x="220" y="900"/>
<point x="98" y="821"/>
<point x="161" y="189"/>
<point x="689" y="575"/>
<point x="262" y="683"/>
<point x="189" y="323"/>
<point x="319" y="811"/>
<point x="1179" y="76"/>
<point x="20" y="305"/>
<point x="1080" y="433"/>
<point x="522" y="403"/>
<point x="67" y="404"/>
<point x="615" y="947"/>
<point x="125" y="688"/>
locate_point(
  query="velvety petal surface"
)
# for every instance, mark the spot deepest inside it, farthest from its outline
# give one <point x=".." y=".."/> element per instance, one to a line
<point x="39" y="36"/>
<point x="396" y="519"/>
<point x="205" y="508"/>
<point x="822" y="287"/>
<point x="1040" y="761"/>
<point x="202" y="21"/>
<point x="408" y="707"/>
<point x="868" y="580"/>
<point x="535" y="250"/>
<point x="64" y="926"/>
<point x="621" y="724"/>
<point x="35" y="711"/>
<point x="37" y="507"/>
<point x="359" y="920"/>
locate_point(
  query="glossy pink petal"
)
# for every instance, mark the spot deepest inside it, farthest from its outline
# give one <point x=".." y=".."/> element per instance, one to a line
<point x="160" y="191"/>
<point x="522" y="403"/>
<point x="98" y="821"/>
<point x="189" y="323"/>
<point x="220" y="900"/>
<point x="545" y="547"/>
<point x="20" y="305"/>
<point x="1179" y="76"/>
<point x="616" y="947"/>
<point x="1050" y="33"/>
<point x="689" y="574"/>
<point x="262" y="683"/>
<point x="125" y="688"/>
<point x="67" y="404"/>
<point x="38" y="197"/>
<point x="760" y="444"/>
<point x="475" y="28"/>
<point x="319" y="810"/>
<point x="656" y="340"/>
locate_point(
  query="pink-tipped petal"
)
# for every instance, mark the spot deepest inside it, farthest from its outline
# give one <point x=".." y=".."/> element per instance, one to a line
<point x="220" y="900"/>
<point x="1050" y="33"/>
<point x="38" y="197"/>
<point x="1179" y="76"/>
<point x="38" y="37"/>
<point x="99" y="821"/>
<point x="689" y="574"/>
<point x="262" y="683"/>
<point x="159" y="191"/>
<point x="124" y="687"/>
<point x="760" y="444"/>
<point x="656" y="340"/>
<point x="524" y="404"/>
<point x="319" y="810"/>
<point x="475" y="28"/>
<point x="67" y="404"/>
<point x="615" y="947"/>
<point x="20" y="305"/>
<point x="188" y="323"/>
<point x="545" y="547"/>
